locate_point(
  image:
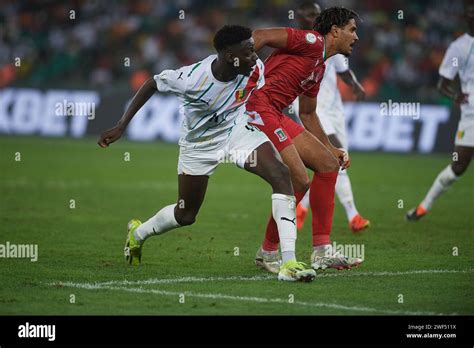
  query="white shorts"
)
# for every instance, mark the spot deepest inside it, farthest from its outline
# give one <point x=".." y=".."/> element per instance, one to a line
<point x="334" y="123"/>
<point x="465" y="133"/>
<point x="240" y="144"/>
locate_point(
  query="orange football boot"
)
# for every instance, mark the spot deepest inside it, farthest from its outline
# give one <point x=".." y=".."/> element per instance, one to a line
<point x="358" y="223"/>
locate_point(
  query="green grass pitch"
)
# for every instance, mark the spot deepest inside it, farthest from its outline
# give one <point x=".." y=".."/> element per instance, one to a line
<point x="195" y="270"/>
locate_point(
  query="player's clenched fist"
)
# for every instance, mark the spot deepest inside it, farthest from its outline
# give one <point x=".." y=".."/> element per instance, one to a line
<point x="110" y="135"/>
<point x="342" y="156"/>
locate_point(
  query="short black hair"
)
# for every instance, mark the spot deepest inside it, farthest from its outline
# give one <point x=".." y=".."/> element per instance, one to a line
<point x="230" y="35"/>
<point x="338" y="16"/>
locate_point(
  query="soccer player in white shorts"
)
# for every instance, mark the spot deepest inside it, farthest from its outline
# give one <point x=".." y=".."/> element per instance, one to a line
<point x="330" y="111"/>
<point x="213" y="93"/>
<point x="458" y="60"/>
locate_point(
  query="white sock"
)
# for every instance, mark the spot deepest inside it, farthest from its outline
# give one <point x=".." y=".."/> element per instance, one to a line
<point x="284" y="214"/>
<point x="305" y="201"/>
<point x="160" y="223"/>
<point x="344" y="193"/>
<point x="441" y="184"/>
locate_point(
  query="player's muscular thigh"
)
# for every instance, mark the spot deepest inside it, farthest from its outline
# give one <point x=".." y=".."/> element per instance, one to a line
<point x="270" y="167"/>
<point x="314" y="154"/>
<point x="299" y="176"/>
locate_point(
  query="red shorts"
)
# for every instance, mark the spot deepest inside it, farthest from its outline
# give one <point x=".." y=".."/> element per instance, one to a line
<point x="278" y="127"/>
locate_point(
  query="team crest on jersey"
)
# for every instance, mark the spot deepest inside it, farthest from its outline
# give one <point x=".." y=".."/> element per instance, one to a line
<point x="311" y="38"/>
<point x="280" y="134"/>
<point x="239" y="95"/>
<point x="460" y="134"/>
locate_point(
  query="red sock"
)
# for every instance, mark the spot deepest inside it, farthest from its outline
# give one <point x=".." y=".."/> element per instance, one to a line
<point x="321" y="200"/>
<point x="272" y="239"/>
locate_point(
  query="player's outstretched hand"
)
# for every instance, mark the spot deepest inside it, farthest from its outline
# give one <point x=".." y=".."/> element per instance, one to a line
<point x="342" y="156"/>
<point x="110" y="135"/>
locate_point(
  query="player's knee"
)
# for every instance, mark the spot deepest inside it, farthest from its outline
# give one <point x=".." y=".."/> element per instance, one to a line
<point x="329" y="164"/>
<point x="301" y="183"/>
<point x="459" y="168"/>
<point x="184" y="218"/>
<point x="281" y="173"/>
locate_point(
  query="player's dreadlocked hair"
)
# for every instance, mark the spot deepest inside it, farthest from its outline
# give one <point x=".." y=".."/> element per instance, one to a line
<point x="338" y="16"/>
<point x="230" y="35"/>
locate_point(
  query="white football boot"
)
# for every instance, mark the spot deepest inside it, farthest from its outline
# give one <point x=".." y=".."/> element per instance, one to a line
<point x="324" y="258"/>
<point x="270" y="261"/>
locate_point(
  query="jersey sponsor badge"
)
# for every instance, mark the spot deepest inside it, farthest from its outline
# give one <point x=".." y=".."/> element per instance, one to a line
<point x="311" y="38"/>
<point x="280" y="134"/>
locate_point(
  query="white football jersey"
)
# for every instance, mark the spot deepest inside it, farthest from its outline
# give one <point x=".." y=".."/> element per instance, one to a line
<point x="329" y="97"/>
<point x="459" y="59"/>
<point x="210" y="107"/>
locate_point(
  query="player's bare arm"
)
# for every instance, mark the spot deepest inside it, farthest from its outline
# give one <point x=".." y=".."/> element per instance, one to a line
<point x="448" y="88"/>
<point x="310" y="119"/>
<point x="271" y="37"/>
<point x="350" y="79"/>
<point x="141" y="97"/>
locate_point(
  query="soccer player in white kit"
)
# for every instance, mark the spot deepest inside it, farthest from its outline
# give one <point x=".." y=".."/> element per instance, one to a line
<point x="213" y="93"/>
<point x="330" y="111"/>
<point x="458" y="60"/>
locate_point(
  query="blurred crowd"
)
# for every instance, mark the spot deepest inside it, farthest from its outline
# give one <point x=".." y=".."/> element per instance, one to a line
<point x="110" y="45"/>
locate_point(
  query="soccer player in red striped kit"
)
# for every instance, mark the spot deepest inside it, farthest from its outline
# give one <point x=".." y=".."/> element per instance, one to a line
<point x="294" y="69"/>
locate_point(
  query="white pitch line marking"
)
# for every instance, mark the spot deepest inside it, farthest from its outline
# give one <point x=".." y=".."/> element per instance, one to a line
<point x="400" y="273"/>
<point x="185" y="280"/>
<point x="269" y="277"/>
<point x="245" y="299"/>
<point x="109" y="286"/>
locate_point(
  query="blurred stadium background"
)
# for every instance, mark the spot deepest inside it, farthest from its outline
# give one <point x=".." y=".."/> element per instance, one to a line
<point x="50" y="49"/>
